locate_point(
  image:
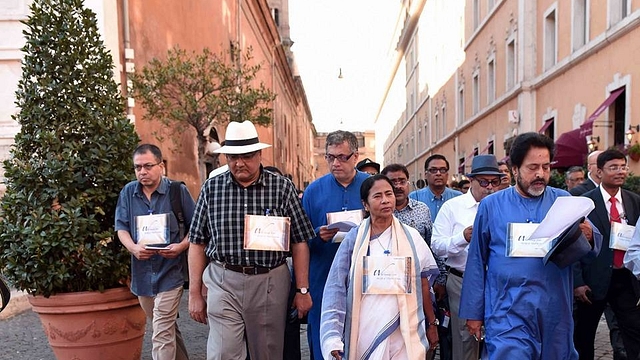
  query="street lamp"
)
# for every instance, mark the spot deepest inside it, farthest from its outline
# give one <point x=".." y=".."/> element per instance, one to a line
<point x="632" y="131"/>
<point x="592" y="143"/>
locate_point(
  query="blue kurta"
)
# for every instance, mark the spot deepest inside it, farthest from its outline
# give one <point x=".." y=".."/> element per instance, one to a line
<point x="323" y="196"/>
<point x="526" y="306"/>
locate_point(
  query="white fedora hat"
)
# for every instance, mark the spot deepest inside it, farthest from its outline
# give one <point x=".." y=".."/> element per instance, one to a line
<point x="241" y="138"/>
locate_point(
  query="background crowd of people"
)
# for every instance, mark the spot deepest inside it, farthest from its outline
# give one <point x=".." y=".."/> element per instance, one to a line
<point x="383" y="272"/>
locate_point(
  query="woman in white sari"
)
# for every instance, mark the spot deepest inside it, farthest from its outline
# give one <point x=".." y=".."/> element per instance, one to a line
<point x="377" y="299"/>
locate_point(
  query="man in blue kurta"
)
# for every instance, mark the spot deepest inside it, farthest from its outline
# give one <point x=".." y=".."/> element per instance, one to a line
<point x="436" y="171"/>
<point x="337" y="191"/>
<point x="524" y="305"/>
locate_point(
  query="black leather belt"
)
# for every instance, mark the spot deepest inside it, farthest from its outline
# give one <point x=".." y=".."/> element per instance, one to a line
<point x="456" y="272"/>
<point x="247" y="270"/>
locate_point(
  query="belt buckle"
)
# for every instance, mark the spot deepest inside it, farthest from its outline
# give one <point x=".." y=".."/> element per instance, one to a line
<point x="249" y="270"/>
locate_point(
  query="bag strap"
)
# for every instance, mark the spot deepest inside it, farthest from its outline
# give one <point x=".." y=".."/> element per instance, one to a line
<point x="175" y="195"/>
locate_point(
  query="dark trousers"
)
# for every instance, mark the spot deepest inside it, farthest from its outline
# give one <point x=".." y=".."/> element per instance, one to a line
<point x="292" y="340"/>
<point x="444" y="333"/>
<point x="619" y="353"/>
<point x="622" y="296"/>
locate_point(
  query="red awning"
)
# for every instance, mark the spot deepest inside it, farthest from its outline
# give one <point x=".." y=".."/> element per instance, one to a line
<point x="586" y="128"/>
<point x="545" y="126"/>
<point x="571" y="150"/>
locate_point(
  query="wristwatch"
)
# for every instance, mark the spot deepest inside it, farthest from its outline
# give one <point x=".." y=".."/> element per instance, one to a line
<point x="435" y="322"/>
<point x="303" y="290"/>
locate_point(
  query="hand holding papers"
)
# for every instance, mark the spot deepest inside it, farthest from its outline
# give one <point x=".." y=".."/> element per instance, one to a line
<point x="535" y="240"/>
<point x="344" y="226"/>
<point x="343" y="221"/>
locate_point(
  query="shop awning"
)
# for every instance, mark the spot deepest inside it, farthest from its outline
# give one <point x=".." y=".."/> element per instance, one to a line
<point x="545" y="126"/>
<point x="571" y="150"/>
<point x="587" y="127"/>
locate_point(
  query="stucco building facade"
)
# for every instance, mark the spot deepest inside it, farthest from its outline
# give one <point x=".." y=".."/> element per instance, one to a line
<point x="504" y="67"/>
<point x="136" y="31"/>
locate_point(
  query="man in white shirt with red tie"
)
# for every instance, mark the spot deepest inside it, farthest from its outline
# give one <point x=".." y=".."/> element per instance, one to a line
<point x="452" y="231"/>
<point x="605" y="280"/>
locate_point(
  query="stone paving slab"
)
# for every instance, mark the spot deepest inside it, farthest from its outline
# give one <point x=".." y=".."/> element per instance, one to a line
<point x="22" y="337"/>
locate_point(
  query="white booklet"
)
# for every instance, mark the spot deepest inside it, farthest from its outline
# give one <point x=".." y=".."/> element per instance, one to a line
<point x="535" y="240"/>
<point x="153" y="230"/>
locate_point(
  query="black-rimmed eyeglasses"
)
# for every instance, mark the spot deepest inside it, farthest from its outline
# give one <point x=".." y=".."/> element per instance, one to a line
<point x="342" y="158"/>
<point x="437" y="170"/>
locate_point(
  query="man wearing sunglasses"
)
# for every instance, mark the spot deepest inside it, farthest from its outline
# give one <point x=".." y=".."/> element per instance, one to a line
<point x="334" y="192"/>
<point x="436" y="171"/>
<point x="451" y="235"/>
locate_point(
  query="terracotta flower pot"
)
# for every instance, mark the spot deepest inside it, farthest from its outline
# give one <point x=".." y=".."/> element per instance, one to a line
<point x="92" y="325"/>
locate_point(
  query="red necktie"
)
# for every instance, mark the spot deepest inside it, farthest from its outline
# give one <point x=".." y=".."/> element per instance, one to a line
<point x="618" y="255"/>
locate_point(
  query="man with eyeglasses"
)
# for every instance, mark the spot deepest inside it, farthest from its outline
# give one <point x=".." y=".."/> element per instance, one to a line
<point x="409" y="211"/>
<point x="436" y="171"/>
<point x="337" y="191"/>
<point x="574" y="176"/>
<point x="156" y="274"/>
<point x="452" y="231"/>
<point x="592" y="180"/>
<point x="524" y="304"/>
<point x="244" y="273"/>
<point x="605" y="280"/>
<point x="506" y="179"/>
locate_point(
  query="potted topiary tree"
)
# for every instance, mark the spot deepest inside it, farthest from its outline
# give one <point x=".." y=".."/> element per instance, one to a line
<point x="70" y="160"/>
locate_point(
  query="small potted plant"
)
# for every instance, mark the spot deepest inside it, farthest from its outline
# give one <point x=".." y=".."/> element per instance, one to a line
<point x="634" y="152"/>
<point x="67" y="166"/>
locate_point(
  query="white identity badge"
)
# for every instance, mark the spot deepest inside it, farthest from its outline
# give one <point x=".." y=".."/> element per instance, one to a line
<point x="343" y="221"/>
<point x="621" y="235"/>
<point x="386" y="275"/>
<point x="266" y="233"/>
<point x="520" y="243"/>
<point x="153" y="230"/>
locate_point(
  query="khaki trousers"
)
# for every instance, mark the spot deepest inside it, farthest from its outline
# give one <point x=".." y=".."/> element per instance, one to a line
<point x="162" y="310"/>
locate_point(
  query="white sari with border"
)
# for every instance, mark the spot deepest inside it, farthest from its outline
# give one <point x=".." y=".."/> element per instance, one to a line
<point x="380" y="327"/>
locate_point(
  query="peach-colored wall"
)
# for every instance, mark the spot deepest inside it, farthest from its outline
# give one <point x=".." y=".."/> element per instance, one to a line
<point x="157" y="26"/>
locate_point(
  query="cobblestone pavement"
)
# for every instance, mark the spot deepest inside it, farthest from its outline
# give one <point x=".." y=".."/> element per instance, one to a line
<point x="22" y="337"/>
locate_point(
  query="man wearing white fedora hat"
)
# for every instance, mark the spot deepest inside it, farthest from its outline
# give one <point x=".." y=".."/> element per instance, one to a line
<point x="244" y="272"/>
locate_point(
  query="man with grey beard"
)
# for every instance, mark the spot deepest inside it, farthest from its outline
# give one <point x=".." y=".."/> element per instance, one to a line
<point x="452" y="231"/>
<point x="524" y="305"/>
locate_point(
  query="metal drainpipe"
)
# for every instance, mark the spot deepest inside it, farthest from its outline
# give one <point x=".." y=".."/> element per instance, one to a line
<point x="127" y="42"/>
<point x="273" y="88"/>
